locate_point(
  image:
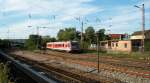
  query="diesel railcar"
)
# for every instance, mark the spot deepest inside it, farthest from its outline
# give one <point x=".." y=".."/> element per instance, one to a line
<point x="68" y="46"/>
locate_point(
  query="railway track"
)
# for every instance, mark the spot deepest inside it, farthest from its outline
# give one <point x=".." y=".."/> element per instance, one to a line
<point x="133" y="64"/>
<point x="66" y="76"/>
<point x="26" y="69"/>
<point x="120" y="67"/>
<point x="109" y="71"/>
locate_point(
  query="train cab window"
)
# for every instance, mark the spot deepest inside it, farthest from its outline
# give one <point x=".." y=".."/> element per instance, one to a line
<point x="74" y="43"/>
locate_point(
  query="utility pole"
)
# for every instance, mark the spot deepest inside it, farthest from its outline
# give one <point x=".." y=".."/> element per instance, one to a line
<point x="8" y="32"/>
<point x="37" y="30"/>
<point x="143" y="25"/>
<point x="82" y="32"/>
<point x="38" y="35"/>
<point x="97" y="35"/>
<point x="82" y="25"/>
<point x="82" y="22"/>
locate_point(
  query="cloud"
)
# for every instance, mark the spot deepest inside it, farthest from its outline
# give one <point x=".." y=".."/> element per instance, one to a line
<point x="16" y="14"/>
<point x="22" y="29"/>
<point x="127" y="18"/>
<point x="66" y="9"/>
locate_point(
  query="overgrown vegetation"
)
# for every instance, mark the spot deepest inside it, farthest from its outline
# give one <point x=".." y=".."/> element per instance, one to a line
<point x="133" y="55"/>
<point x="89" y="37"/>
<point x="68" y="34"/>
<point x="36" y="42"/>
<point x="32" y="42"/>
<point x="4" y="44"/>
<point x="4" y="73"/>
<point x="147" y="45"/>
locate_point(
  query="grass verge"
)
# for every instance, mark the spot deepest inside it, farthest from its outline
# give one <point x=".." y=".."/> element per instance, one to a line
<point x="3" y="73"/>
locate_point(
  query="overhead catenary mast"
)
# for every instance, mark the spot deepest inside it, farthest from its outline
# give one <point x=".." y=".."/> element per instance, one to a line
<point x="143" y="25"/>
<point x="82" y="22"/>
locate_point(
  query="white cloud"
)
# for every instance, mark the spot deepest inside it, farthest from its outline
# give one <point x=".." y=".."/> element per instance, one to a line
<point x="21" y="30"/>
<point x="64" y="10"/>
<point x="127" y="19"/>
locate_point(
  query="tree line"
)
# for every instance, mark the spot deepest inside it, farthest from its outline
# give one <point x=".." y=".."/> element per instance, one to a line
<point x="67" y="34"/>
<point x="89" y="36"/>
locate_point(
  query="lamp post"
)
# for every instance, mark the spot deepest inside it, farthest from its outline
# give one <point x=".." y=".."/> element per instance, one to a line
<point x="143" y="25"/>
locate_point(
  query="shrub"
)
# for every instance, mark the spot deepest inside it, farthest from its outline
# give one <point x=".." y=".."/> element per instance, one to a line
<point x="3" y="73"/>
<point x="147" y="45"/>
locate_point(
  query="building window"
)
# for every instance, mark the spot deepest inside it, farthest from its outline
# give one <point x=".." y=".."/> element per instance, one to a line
<point x="112" y="44"/>
<point x="125" y="45"/>
<point x="116" y="44"/>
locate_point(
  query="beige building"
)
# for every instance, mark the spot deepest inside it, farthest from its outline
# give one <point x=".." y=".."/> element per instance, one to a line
<point x="116" y="45"/>
<point x="132" y="44"/>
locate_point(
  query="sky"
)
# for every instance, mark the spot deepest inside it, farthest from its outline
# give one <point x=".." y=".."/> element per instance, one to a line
<point x="115" y="16"/>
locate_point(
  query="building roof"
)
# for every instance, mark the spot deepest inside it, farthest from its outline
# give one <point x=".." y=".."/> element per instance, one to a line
<point x="147" y="34"/>
<point x="140" y="32"/>
<point x="114" y="36"/>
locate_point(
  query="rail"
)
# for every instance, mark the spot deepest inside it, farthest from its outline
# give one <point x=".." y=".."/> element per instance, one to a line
<point x="28" y="70"/>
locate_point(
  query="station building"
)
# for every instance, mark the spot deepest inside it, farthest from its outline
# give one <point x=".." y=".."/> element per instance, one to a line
<point x="122" y="43"/>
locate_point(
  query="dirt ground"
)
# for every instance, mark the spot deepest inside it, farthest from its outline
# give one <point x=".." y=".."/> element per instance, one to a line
<point x="89" y="60"/>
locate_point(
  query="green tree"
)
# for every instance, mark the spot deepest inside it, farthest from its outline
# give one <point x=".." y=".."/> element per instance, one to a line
<point x="33" y="42"/>
<point x="60" y="34"/>
<point x="101" y="34"/>
<point x="78" y="36"/>
<point x="90" y="35"/>
<point x="66" y="34"/>
<point x="46" y="39"/>
<point x="4" y="44"/>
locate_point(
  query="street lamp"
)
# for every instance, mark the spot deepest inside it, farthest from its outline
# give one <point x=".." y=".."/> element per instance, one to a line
<point x="143" y="24"/>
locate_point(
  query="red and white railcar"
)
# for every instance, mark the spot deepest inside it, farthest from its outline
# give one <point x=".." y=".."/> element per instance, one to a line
<point x="68" y="46"/>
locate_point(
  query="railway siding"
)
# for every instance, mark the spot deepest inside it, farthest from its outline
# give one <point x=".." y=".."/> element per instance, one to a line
<point x="27" y="69"/>
<point x="77" y="76"/>
<point x="109" y="71"/>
